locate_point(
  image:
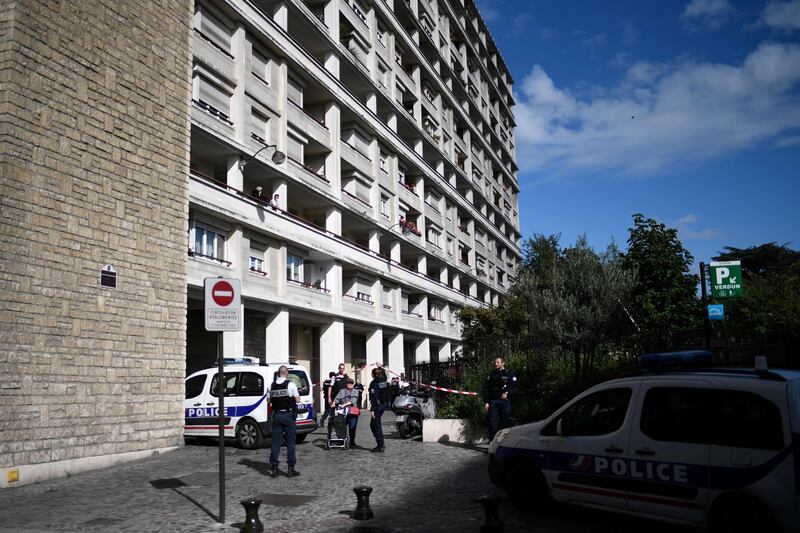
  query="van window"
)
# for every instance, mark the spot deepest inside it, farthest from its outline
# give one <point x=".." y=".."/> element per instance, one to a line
<point x="230" y="384"/>
<point x="251" y="384"/>
<point x="747" y="420"/>
<point x="298" y="377"/>
<point x="600" y="413"/>
<point x="194" y="386"/>
<point x="677" y="414"/>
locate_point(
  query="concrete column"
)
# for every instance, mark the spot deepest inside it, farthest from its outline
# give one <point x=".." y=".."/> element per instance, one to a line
<point x="277" y="335"/>
<point x="282" y="78"/>
<point x="422" y="353"/>
<point x="280" y="269"/>
<point x="422" y="263"/>
<point x="396" y="363"/>
<point x="235" y="177"/>
<point x="473" y="289"/>
<point x="418" y="146"/>
<point x="374" y="241"/>
<point x="233" y="341"/>
<point x="281" y="15"/>
<point x="391" y="121"/>
<point x="333" y="282"/>
<point x="443" y="275"/>
<point x="333" y="161"/>
<point x="332" y="21"/>
<point x="372" y="102"/>
<point x="279" y="188"/>
<point x="331" y="347"/>
<point x="445" y="351"/>
<point x="457" y="281"/>
<point x="239" y="108"/>
<point x="394" y="251"/>
<point x="423" y="310"/>
<point x="333" y="220"/>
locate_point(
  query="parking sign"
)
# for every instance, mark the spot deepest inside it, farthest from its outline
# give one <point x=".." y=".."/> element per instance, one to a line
<point x="223" y="304"/>
<point x="726" y="279"/>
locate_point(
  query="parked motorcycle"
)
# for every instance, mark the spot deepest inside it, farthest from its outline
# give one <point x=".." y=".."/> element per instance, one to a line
<point x="411" y="408"/>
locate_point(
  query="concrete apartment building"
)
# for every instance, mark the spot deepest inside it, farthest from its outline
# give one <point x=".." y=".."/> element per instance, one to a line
<point x="398" y="198"/>
<point x="140" y="136"/>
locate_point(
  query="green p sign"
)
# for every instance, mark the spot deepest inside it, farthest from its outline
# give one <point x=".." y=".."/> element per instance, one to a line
<point x="726" y="279"/>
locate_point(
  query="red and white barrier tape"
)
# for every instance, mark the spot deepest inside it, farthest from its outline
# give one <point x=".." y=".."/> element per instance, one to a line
<point x="426" y="385"/>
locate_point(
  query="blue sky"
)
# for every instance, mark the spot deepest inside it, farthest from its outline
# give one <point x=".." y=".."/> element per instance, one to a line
<point x="685" y="110"/>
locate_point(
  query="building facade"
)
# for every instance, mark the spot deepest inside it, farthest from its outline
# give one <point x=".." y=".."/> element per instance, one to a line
<point x="94" y="150"/>
<point x="397" y="201"/>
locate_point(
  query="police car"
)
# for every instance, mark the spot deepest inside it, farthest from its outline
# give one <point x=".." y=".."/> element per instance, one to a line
<point x="718" y="448"/>
<point x="247" y="411"/>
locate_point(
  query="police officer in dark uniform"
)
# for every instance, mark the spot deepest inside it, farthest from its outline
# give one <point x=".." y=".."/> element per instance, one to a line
<point x="326" y="387"/>
<point x="500" y="383"/>
<point x="337" y="384"/>
<point x="379" y="398"/>
<point x="283" y="397"/>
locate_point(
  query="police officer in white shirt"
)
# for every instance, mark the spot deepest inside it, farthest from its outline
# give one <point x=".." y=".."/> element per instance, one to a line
<point x="283" y="397"/>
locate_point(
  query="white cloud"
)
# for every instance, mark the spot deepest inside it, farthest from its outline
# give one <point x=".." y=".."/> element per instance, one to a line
<point x="711" y="13"/>
<point x="488" y="10"/>
<point x="683" y="225"/>
<point x="659" y="116"/>
<point x="782" y="15"/>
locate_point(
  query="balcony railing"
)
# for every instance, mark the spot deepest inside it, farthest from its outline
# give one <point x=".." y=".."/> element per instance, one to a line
<point x="410" y="313"/>
<point x="192" y="253"/>
<point x="311" y="286"/>
<point x="364" y="299"/>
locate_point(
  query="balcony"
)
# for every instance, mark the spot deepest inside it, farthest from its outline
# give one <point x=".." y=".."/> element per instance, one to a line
<point x="404" y="78"/>
<point x="308" y="295"/>
<point x="355" y="158"/>
<point x="357" y="19"/>
<point x="309" y="125"/>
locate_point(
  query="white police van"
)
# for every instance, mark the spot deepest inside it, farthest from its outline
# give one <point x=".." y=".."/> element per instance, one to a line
<point x="718" y="448"/>
<point x="248" y="416"/>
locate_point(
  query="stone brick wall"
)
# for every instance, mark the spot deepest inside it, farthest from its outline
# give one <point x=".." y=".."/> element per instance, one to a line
<point x="94" y="149"/>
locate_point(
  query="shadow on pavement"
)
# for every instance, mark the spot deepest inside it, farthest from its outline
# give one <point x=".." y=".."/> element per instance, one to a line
<point x="173" y="484"/>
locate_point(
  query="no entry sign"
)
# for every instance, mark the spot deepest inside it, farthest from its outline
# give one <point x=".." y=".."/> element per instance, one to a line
<point x="223" y="304"/>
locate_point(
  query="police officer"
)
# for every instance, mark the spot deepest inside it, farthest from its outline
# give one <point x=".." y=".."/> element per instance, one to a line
<point x="283" y="397"/>
<point x="379" y="398"/>
<point x="326" y="387"/>
<point x="500" y="383"/>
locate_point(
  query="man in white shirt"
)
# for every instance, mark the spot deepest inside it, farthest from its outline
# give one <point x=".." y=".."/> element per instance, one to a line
<point x="283" y="398"/>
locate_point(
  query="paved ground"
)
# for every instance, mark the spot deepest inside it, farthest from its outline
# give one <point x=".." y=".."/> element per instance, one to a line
<point x="417" y="487"/>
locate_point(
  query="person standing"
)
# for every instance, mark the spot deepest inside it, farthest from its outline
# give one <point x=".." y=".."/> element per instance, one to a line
<point x="379" y="398"/>
<point x="348" y="397"/>
<point x="283" y="397"/>
<point x="337" y="384"/>
<point x="500" y="383"/>
<point x="326" y="386"/>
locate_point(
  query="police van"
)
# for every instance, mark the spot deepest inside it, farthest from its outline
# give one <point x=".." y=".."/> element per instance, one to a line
<point x="248" y="416"/>
<point x="718" y="448"/>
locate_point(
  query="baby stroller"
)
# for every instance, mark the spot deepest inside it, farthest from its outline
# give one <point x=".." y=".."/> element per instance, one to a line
<point x="338" y="435"/>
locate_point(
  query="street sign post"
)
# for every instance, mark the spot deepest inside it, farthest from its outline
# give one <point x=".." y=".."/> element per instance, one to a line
<point x="716" y="312"/>
<point x="726" y="279"/>
<point x="223" y="297"/>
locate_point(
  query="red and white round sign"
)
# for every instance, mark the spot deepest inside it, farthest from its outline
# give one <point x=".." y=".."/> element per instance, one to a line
<point x="222" y="293"/>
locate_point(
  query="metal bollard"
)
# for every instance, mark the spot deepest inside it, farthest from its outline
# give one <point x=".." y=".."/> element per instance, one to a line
<point x="363" y="511"/>
<point x="251" y="522"/>
<point x="492" y="522"/>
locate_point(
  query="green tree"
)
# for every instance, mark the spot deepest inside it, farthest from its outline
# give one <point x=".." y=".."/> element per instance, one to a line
<point x="664" y="303"/>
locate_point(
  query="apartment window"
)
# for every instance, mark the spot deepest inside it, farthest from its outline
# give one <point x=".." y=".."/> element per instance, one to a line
<point x="385" y="205"/>
<point x="433" y="235"/>
<point x="387" y="298"/>
<point x="401" y="175"/>
<point x="450" y="245"/>
<point x="294" y="268"/>
<point x="383" y="164"/>
<point x="449" y="211"/>
<point x="257" y="263"/>
<point x="398" y="93"/>
<point x="383" y="76"/>
<point x="294" y="92"/>
<point x="213" y="29"/>
<point x="260" y="67"/>
<point x="209" y="243"/>
<point x="398" y="55"/>
<point x="435" y="312"/>
<point x="259" y="127"/>
<point x="294" y="148"/>
<point x="362" y="190"/>
<point x="213" y="97"/>
<point x="381" y="35"/>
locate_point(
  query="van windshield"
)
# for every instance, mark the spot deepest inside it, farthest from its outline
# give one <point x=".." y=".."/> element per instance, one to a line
<point x="298" y="377"/>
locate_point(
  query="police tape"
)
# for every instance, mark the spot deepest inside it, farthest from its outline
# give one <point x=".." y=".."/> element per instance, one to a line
<point x="428" y="386"/>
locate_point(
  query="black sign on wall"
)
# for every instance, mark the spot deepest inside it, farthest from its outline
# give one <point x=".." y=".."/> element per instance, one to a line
<point x="108" y="277"/>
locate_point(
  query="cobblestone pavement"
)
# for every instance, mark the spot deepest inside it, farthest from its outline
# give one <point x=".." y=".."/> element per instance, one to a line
<point x="417" y="487"/>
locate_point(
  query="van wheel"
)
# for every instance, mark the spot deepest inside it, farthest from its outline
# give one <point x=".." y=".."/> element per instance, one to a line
<point x="527" y="487"/>
<point x="740" y="513"/>
<point x="248" y="435"/>
<point x="300" y="438"/>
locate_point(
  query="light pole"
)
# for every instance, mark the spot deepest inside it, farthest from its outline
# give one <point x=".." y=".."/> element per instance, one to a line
<point x="278" y="157"/>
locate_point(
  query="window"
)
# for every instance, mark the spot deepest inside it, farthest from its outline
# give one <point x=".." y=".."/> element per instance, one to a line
<point x="213" y="98"/>
<point x="677" y="414"/>
<point x="385" y="206"/>
<point x="387" y="298"/>
<point x="294" y="148"/>
<point x="257" y="264"/>
<point x="251" y="384"/>
<point x="599" y="413"/>
<point x="261" y="67"/>
<point x="381" y="35"/>
<point x="362" y="190"/>
<point x="433" y="235"/>
<point x="746" y="420"/>
<point x="259" y="127"/>
<point x="230" y="381"/>
<point x="294" y="92"/>
<point x="450" y="245"/>
<point x="384" y="165"/>
<point x="435" y="312"/>
<point x="213" y="29"/>
<point x="208" y="243"/>
<point x="398" y="55"/>
<point x="299" y="378"/>
<point x="194" y="386"/>
<point x="294" y="268"/>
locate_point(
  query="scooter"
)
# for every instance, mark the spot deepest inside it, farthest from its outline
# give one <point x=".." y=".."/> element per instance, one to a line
<point x="411" y="408"/>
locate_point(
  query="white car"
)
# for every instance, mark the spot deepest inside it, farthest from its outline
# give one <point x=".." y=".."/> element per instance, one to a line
<point x="718" y="448"/>
<point x="247" y="411"/>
